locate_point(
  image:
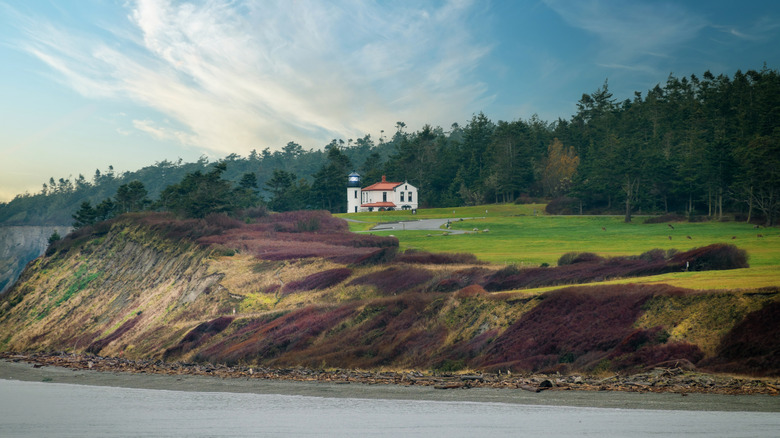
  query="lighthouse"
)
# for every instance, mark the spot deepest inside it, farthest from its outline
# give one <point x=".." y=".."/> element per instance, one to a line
<point x="353" y="193"/>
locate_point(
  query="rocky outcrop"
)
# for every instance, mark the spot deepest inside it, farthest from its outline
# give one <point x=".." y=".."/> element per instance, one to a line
<point x="19" y="245"/>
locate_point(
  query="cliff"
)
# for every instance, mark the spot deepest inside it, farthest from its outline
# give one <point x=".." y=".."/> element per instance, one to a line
<point x="299" y="289"/>
<point x="19" y="245"/>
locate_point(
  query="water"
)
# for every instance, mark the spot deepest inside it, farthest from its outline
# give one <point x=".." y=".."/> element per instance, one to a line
<point x="66" y="410"/>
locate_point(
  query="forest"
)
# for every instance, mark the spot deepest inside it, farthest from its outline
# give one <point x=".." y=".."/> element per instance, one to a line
<point x="697" y="147"/>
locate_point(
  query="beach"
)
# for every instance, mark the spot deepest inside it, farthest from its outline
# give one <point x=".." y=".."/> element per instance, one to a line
<point x="74" y="369"/>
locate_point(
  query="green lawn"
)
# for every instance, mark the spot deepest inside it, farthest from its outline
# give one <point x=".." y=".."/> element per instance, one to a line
<point x="517" y="236"/>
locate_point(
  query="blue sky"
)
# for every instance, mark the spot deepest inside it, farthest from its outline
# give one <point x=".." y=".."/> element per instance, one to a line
<point x="85" y="84"/>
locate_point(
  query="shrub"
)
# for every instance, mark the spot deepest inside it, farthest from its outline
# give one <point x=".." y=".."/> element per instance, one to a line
<point x="394" y="280"/>
<point x="669" y="217"/>
<point x="222" y="221"/>
<point x="460" y="279"/>
<point x="265" y="339"/>
<point x="571" y="258"/>
<point x="471" y="291"/>
<point x="426" y="258"/>
<point x="653" y="255"/>
<point x="577" y="324"/>
<point x="650" y="355"/>
<point x="587" y="267"/>
<point x="563" y="205"/>
<point x="752" y="346"/>
<point x="718" y="256"/>
<point x="525" y="199"/>
<point x="199" y="335"/>
<point x="567" y="258"/>
<point x="100" y="344"/>
<point x="449" y="365"/>
<point x="319" y="280"/>
<point x="254" y="212"/>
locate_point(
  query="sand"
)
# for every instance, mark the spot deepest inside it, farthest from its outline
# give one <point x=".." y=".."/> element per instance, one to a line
<point x="24" y="371"/>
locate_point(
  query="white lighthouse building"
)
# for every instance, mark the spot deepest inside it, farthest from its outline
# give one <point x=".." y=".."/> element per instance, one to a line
<point x="383" y="195"/>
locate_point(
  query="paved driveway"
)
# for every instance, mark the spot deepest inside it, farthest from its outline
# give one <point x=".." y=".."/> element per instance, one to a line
<point x="421" y="225"/>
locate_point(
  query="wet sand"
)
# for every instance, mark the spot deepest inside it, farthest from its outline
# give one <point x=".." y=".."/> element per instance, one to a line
<point x="24" y="371"/>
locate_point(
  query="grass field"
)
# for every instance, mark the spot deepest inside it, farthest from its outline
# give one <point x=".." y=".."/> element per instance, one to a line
<point x="523" y="235"/>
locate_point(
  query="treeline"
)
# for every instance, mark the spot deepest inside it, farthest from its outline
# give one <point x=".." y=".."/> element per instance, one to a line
<point x="694" y="146"/>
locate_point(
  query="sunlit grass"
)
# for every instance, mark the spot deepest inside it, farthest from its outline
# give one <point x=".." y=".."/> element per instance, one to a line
<point x="517" y="236"/>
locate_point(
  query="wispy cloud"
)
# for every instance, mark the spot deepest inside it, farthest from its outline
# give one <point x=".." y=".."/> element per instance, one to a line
<point x="764" y="29"/>
<point x="632" y="35"/>
<point x="238" y="75"/>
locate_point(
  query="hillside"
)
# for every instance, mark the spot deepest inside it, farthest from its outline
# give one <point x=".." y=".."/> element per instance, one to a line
<point x="300" y="289"/>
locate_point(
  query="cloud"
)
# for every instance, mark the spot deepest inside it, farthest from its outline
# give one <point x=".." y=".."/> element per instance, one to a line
<point x="632" y="35"/>
<point x="242" y="75"/>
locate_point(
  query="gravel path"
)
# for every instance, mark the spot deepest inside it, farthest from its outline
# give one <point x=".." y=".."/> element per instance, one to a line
<point x="421" y="225"/>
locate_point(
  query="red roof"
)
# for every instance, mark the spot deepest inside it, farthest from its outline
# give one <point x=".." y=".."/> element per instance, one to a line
<point x="382" y="186"/>
<point x="378" y="204"/>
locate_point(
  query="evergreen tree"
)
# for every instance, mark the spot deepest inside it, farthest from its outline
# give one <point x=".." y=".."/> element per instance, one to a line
<point x="84" y="216"/>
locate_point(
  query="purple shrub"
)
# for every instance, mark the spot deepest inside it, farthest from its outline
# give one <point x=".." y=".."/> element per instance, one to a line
<point x="752" y="346"/>
<point x="571" y="258"/>
<point x="471" y="291"/>
<point x="460" y="279"/>
<point x="100" y="344"/>
<point x="291" y="235"/>
<point x="265" y="340"/>
<point x="319" y="280"/>
<point x="569" y="323"/>
<point x="395" y="280"/>
<point x="199" y="335"/>
<point x="587" y="267"/>
<point x="427" y="258"/>
<point x="387" y="331"/>
<point x="717" y="256"/>
<point x="650" y="355"/>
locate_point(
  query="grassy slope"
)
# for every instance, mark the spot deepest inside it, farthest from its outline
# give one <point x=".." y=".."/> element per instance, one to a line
<point x="516" y="236"/>
<point x="82" y="297"/>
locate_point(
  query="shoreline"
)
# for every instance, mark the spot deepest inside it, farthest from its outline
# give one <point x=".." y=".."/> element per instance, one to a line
<point x="752" y="395"/>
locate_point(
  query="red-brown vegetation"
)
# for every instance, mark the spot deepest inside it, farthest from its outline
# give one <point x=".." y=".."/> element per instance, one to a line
<point x="587" y="267"/>
<point x="100" y="344"/>
<point x="283" y="236"/>
<point x="751" y="346"/>
<point x="717" y="256"/>
<point x="199" y="335"/>
<point x="268" y="338"/>
<point x="460" y="279"/>
<point x="471" y="291"/>
<point x="577" y="325"/>
<point x="426" y="258"/>
<point x="394" y="280"/>
<point x="650" y="355"/>
<point x="387" y="331"/>
<point x="319" y="280"/>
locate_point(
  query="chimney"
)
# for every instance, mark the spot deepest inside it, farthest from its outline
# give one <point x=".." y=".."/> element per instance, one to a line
<point x="384" y="179"/>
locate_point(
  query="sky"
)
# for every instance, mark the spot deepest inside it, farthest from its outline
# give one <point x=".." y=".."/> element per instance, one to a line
<point x="85" y="84"/>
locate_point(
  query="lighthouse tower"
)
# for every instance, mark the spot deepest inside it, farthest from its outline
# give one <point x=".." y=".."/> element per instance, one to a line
<point x="353" y="193"/>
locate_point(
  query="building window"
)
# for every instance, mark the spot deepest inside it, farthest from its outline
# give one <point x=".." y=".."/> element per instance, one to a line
<point x="402" y="196"/>
<point x="410" y="196"/>
<point x="384" y="196"/>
